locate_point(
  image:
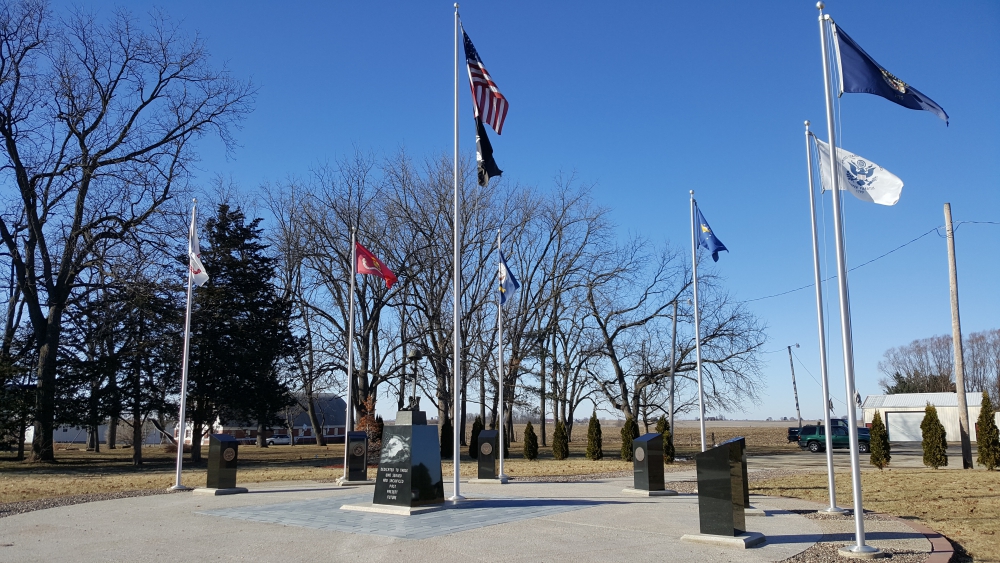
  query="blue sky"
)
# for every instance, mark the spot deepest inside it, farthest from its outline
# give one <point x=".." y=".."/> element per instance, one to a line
<point x="646" y="101"/>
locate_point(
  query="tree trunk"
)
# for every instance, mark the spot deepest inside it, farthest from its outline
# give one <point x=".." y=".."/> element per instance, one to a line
<point x="137" y="438"/>
<point x="112" y="435"/>
<point x="21" y="431"/>
<point x="542" y="401"/>
<point x="261" y="440"/>
<point x="45" y="407"/>
<point x="314" y="420"/>
<point x="196" y="429"/>
<point x="94" y="438"/>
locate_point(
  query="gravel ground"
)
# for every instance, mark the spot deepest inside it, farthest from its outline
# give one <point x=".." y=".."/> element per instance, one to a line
<point x="827" y="553"/>
<point x="12" y="508"/>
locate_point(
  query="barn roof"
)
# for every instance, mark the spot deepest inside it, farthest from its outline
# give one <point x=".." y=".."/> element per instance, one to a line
<point x="920" y="400"/>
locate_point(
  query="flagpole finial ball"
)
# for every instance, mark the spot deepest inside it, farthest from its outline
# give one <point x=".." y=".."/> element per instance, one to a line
<point x="691" y="192"/>
<point x="807" y="123"/>
<point x="820" y="5"/>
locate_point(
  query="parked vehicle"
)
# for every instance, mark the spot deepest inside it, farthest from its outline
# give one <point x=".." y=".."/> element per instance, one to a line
<point x="793" y="431"/>
<point x="813" y="438"/>
<point x="279" y="440"/>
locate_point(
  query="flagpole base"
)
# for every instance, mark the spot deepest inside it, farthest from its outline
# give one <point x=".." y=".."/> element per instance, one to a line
<point x="833" y="510"/>
<point x="179" y="488"/>
<point x="456" y="498"/>
<point x="861" y="552"/>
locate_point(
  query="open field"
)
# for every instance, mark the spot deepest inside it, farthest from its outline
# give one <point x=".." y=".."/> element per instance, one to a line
<point x="962" y="505"/>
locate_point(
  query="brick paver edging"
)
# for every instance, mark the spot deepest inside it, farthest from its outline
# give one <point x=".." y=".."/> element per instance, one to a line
<point x="941" y="549"/>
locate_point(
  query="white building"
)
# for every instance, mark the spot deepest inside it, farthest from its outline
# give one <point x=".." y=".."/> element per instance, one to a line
<point x="902" y="413"/>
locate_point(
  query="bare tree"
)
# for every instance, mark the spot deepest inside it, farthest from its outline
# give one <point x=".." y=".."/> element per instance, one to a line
<point x="922" y="366"/>
<point x="96" y="120"/>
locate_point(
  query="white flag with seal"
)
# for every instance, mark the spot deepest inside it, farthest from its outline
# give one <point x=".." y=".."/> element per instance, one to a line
<point x="198" y="273"/>
<point x="865" y="179"/>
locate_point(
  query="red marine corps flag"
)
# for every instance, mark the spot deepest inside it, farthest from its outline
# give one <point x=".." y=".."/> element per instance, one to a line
<point x="367" y="263"/>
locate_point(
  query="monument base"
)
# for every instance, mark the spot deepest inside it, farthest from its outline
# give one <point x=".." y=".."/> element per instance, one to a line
<point x="742" y="541"/>
<point x="645" y="493"/>
<point x="343" y="483"/>
<point x="497" y="481"/>
<point x="753" y="511"/>
<point x="866" y="552"/>
<point x="219" y="492"/>
<point x="393" y="509"/>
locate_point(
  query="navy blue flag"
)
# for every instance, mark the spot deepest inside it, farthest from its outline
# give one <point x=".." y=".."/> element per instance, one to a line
<point x="706" y="237"/>
<point x="859" y="73"/>
<point x="508" y="283"/>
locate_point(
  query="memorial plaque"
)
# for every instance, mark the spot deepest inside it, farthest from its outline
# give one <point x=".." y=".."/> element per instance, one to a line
<point x="722" y="488"/>
<point x="357" y="456"/>
<point x="223" y="455"/>
<point x="409" y="469"/>
<point x="488" y="452"/>
<point x="647" y="462"/>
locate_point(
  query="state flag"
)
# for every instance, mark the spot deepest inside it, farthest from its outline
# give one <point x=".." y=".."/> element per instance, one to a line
<point x="508" y="283"/>
<point x="706" y="238"/>
<point x="368" y="264"/>
<point x="197" y="269"/>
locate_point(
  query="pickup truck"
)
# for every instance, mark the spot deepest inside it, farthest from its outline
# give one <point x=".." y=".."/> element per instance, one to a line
<point x="813" y="438"/>
<point x="793" y="431"/>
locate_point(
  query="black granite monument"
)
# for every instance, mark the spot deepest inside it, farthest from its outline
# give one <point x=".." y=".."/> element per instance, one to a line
<point x="223" y="453"/>
<point x="722" y="488"/>
<point x="647" y="462"/>
<point x="409" y="469"/>
<point x="357" y="456"/>
<point x="488" y="441"/>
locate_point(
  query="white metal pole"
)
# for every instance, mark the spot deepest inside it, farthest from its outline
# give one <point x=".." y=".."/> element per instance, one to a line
<point x="181" y="427"/>
<point x="845" y="307"/>
<point x="350" y="348"/>
<point x="673" y="368"/>
<point x="500" y="365"/>
<point x="697" y="325"/>
<point x="817" y="276"/>
<point x="457" y="359"/>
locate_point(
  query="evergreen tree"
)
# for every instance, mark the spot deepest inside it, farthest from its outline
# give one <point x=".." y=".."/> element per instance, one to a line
<point x="935" y="443"/>
<point x="447" y="437"/>
<point x="477" y="427"/>
<point x="630" y="431"/>
<point x="595" y="443"/>
<point x="879" y="446"/>
<point x="560" y="441"/>
<point x="530" y="442"/>
<point x="987" y="436"/>
<point x="663" y="427"/>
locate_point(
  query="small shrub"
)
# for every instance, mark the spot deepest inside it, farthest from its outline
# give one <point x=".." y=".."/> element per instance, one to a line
<point x="530" y="442"/>
<point x="477" y="427"/>
<point x="934" y="439"/>
<point x="663" y="427"/>
<point x="595" y="443"/>
<point x="560" y="441"/>
<point x="879" y="446"/>
<point x="630" y="431"/>
<point x="987" y="436"/>
<point x="447" y="437"/>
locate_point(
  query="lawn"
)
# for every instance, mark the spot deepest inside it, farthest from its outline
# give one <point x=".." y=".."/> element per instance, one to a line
<point x="962" y="505"/>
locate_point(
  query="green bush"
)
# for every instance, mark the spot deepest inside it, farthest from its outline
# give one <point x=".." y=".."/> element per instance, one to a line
<point x="879" y="446"/>
<point x="934" y="443"/>
<point x="630" y="431"/>
<point x="477" y="427"/>
<point x="530" y="442"/>
<point x="595" y="443"/>
<point x="560" y="441"/>
<point x="663" y="427"/>
<point x="987" y="436"/>
<point x="447" y="437"/>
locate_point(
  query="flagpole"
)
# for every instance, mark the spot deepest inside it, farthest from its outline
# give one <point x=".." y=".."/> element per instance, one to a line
<point x="350" y="347"/>
<point x="845" y="311"/>
<point x="457" y="359"/>
<point x="500" y="366"/>
<point x="833" y="508"/>
<point x="673" y="366"/>
<point x="181" y="428"/>
<point x="697" y="324"/>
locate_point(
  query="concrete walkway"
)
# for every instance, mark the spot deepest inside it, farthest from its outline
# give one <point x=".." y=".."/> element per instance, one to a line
<point x="302" y="521"/>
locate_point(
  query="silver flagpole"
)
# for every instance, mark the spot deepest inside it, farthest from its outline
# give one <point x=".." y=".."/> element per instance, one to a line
<point x="673" y="367"/>
<point x="697" y="323"/>
<point x="822" y="334"/>
<point x="181" y="427"/>
<point x="500" y="366"/>
<point x="350" y="347"/>
<point x="457" y="359"/>
<point x="845" y="309"/>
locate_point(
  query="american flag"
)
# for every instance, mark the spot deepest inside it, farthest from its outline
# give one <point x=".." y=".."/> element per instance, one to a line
<point x="489" y="103"/>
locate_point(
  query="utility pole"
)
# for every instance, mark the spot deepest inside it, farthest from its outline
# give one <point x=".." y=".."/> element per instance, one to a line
<point x="795" y="389"/>
<point x="956" y="337"/>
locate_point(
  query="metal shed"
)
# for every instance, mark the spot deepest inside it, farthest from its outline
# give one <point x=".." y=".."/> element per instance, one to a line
<point x="902" y="413"/>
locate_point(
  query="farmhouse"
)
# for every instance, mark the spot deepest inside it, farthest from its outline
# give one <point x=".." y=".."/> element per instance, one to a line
<point x="902" y="413"/>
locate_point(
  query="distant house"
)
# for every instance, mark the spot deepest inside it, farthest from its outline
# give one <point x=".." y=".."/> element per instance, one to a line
<point x="330" y="410"/>
<point x="902" y="413"/>
<point x="67" y="434"/>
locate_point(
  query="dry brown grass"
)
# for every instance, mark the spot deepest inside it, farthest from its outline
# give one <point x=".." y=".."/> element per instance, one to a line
<point x="963" y="505"/>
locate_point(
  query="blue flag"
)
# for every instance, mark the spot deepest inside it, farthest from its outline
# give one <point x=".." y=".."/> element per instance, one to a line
<point x="859" y="73"/>
<point x="508" y="283"/>
<point x="706" y="237"/>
